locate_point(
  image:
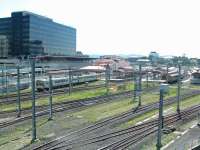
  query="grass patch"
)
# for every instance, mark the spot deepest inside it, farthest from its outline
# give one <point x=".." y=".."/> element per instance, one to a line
<point x="57" y="99"/>
<point x="183" y="104"/>
<point x="66" y="97"/>
<point x="14" y="93"/>
<point x="151" y="144"/>
<point x="95" y="113"/>
<point x="20" y="135"/>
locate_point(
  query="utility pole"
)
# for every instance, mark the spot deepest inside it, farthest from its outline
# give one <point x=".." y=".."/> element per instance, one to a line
<point x="147" y="79"/>
<point x="6" y="81"/>
<point x="179" y="88"/>
<point x="70" y="81"/>
<point x="163" y="90"/>
<point x="159" y="145"/>
<point x="2" y="80"/>
<point x="18" y="92"/>
<point x="50" y="97"/>
<point x="167" y="69"/>
<point x="140" y="84"/>
<point x="107" y="78"/>
<point x="154" y="78"/>
<point x="29" y="70"/>
<point x="65" y="76"/>
<point x="135" y="87"/>
<point x="33" y="100"/>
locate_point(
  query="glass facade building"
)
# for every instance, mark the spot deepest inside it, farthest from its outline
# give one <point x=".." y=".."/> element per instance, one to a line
<point x="6" y="31"/>
<point x="32" y="34"/>
<point x="3" y="46"/>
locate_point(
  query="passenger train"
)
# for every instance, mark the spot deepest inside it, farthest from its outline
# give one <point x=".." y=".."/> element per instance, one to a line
<point x="195" y="79"/>
<point x="43" y="84"/>
<point x="172" y="76"/>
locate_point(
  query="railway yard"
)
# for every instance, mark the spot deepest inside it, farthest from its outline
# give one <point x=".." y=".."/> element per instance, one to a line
<point x="87" y="111"/>
<point x="99" y="75"/>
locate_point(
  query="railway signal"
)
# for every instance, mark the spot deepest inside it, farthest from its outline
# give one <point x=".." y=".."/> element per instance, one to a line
<point x="163" y="89"/>
<point x="178" y="89"/>
<point x="50" y="97"/>
<point x="33" y="100"/>
<point x="18" y="93"/>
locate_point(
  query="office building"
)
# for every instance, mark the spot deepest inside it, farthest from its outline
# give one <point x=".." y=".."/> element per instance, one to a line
<point x="29" y="34"/>
<point x="3" y="46"/>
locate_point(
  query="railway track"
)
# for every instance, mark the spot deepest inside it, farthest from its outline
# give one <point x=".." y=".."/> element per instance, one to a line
<point x="67" y="106"/>
<point x="70" y="105"/>
<point x="86" y="101"/>
<point x="100" y="126"/>
<point x="27" y="96"/>
<point x="123" y="138"/>
<point x="136" y="136"/>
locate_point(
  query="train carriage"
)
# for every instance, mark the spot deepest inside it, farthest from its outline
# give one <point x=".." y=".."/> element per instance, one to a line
<point x="195" y="77"/>
<point x="58" y="82"/>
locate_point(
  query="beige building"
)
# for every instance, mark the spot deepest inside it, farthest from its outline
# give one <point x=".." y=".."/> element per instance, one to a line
<point x="3" y="46"/>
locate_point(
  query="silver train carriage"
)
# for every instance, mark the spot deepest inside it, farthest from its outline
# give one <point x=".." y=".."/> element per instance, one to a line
<point x="195" y="77"/>
<point x="58" y="82"/>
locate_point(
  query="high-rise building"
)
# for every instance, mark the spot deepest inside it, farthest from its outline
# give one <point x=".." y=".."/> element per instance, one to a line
<point x="3" y="46"/>
<point x="32" y="34"/>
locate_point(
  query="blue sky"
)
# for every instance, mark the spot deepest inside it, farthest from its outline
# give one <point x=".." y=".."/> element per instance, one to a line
<point x="170" y="27"/>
